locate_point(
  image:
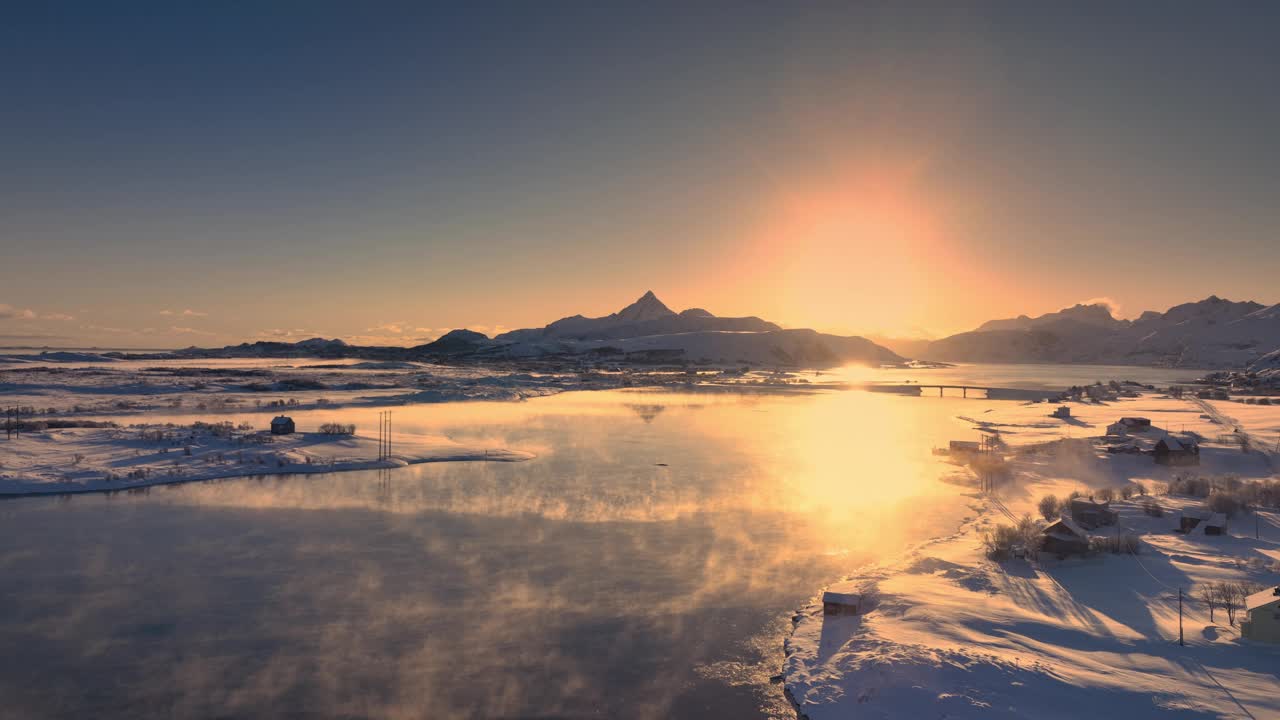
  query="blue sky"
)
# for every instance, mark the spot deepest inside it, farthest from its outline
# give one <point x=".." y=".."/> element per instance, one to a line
<point x="280" y="169"/>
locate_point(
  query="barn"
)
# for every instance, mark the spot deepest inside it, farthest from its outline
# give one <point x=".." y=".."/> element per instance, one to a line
<point x="282" y="425"/>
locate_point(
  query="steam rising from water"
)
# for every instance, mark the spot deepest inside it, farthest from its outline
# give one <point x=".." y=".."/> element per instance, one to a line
<point x="585" y="582"/>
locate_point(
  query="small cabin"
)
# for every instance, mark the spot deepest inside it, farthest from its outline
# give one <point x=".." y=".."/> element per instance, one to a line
<point x="282" y="425"/>
<point x="1063" y="412"/>
<point x="1216" y="524"/>
<point x="1176" y="452"/>
<point x="1191" y="519"/>
<point x="1064" y="537"/>
<point x="841" y="603"/>
<point x="1262" y="616"/>
<point x="1117" y="429"/>
<point x="1089" y="514"/>
<point x="965" y="447"/>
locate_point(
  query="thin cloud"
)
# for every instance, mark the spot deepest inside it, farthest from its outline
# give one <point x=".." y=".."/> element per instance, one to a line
<point x="184" y="313"/>
<point x="1112" y="305"/>
<point x="188" y="330"/>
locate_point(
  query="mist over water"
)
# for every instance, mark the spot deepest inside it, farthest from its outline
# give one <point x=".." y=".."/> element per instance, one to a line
<point x="643" y="565"/>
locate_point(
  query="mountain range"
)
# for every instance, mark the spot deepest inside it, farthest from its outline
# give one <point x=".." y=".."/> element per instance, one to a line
<point x="646" y="331"/>
<point x="649" y="330"/>
<point x="1210" y="333"/>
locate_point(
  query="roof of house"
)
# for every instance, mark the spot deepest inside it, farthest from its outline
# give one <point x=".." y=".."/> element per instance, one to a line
<point x="1262" y="598"/>
<point x="1170" y="443"/>
<point x="1129" y="419"/>
<point x="1197" y="513"/>
<point x="281" y="419"/>
<point x="841" y="598"/>
<point x="1089" y="503"/>
<point x="1217" y="520"/>
<point x="1073" y="531"/>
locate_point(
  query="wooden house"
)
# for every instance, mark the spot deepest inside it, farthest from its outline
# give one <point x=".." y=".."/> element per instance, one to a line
<point x="1064" y="537"/>
<point x="1176" y="451"/>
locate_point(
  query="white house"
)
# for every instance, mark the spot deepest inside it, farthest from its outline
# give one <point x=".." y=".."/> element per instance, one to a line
<point x="1263" y="610"/>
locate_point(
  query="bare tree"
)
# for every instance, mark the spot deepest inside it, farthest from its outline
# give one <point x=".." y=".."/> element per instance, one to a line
<point x="1208" y="594"/>
<point x="1230" y="599"/>
<point x="1049" y="507"/>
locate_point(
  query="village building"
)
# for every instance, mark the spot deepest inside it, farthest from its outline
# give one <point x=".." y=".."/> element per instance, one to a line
<point x="1118" y="429"/>
<point x="963" y="447"/>
<point x="1176" y="451"/>
<point x="1263" y="616"/>
<point x="1136" y="424"/>
<point x="1064" y="537"/>
<point x="1063" y="412"/>
<point x="841" y="603"/>
<point x="282" y="425"/>
<point x="1089" y="514"/>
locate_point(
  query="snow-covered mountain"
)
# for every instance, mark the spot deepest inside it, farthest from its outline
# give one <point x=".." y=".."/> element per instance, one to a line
<point x="648" y="328"/>
<point x="1210" y="333"/>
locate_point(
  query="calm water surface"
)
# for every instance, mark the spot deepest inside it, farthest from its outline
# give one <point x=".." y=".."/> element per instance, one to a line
<point x="643" y="565"/>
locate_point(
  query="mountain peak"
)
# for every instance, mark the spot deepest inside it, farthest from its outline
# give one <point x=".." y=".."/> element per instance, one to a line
<point x="648" y="307"/>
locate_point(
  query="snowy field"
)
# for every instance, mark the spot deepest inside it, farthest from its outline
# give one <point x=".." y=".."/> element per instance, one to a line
<point x="957" y="635"/>
<point x="97" y="459"/>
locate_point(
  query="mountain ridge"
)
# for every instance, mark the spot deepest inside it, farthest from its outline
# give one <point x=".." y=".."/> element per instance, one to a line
<point x="1209" y="333"/>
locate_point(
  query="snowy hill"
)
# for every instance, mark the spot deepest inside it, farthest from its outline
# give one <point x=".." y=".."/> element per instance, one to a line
<point x="1210" y="333"/>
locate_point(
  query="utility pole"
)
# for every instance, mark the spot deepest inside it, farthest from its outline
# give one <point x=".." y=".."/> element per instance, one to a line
<point x="1180" y="642"/>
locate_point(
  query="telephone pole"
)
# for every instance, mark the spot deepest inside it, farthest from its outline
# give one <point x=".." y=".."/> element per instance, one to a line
<point x="1180" y="642"/>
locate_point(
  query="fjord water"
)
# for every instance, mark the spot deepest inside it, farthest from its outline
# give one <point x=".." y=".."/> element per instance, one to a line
<point x="643" y="565"/>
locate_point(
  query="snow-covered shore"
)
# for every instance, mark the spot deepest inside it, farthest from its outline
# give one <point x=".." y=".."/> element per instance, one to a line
<point x="957" y="635"/>
<point x="78" y="460"/>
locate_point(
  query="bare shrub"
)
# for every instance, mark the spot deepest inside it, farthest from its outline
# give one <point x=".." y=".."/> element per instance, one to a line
<point x="337" y="429"/>
<point x="1152" y="508"/>
<point x="999" y="543"/>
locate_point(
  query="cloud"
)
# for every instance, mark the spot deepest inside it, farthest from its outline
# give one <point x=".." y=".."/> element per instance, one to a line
<point x="9" y="312"/>
<point x="188" y="330"/>
<point x="184" y="313"/>
<point x="289" y="334"/>
<point x="57" y="316"/>
<point x="1112" y="305"/>
<point x="394" y="328"/>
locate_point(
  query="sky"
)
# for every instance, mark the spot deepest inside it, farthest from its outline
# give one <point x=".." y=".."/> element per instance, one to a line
<point x="208" y="173"/>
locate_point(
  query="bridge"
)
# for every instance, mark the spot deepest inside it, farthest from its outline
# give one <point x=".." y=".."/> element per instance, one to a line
<point x="988" y="393"/>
